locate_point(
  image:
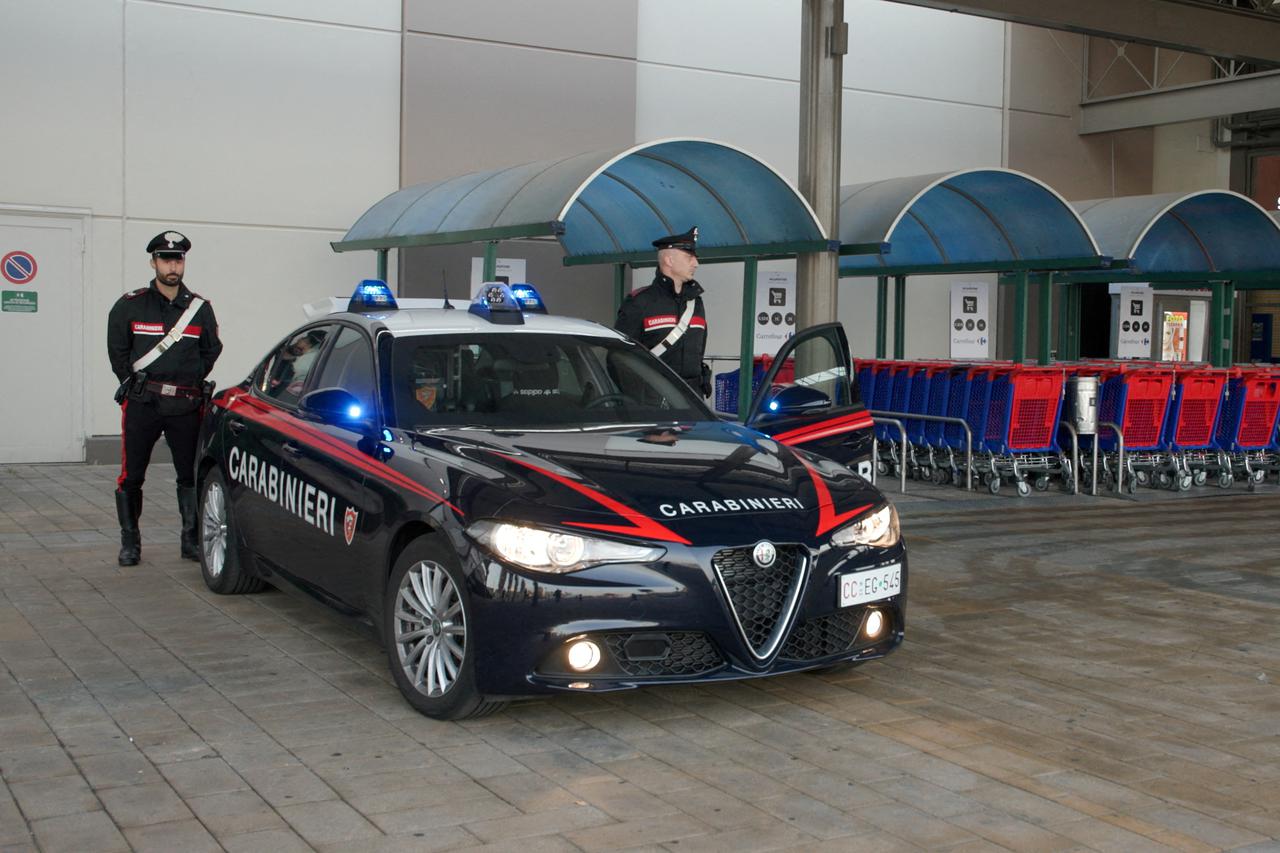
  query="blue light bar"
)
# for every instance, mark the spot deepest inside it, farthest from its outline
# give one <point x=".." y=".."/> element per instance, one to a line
<point x="528" y="297"/>
<point x="496" y="303"/>
<point x="372" y="295"/>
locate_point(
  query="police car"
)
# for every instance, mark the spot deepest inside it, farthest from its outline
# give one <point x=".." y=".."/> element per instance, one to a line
<point x="520" y="503"/>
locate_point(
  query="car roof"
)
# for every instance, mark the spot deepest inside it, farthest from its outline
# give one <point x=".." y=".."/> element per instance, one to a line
<point x="441" y="321"/>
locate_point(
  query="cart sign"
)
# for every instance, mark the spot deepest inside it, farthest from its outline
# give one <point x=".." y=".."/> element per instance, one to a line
<point x="970" y="319"/>
<point x="505" y="270"/>
<point x="1134" y="322"/>
<point x="1174" y="342"/>
<point x="18" y="267"/>
<point x="775" y="311"/>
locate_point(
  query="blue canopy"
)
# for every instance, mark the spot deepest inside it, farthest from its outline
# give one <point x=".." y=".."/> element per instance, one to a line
<point x="1210" y="232"/>
<point x="977" y="219"/>
<point x="606" y="206"/>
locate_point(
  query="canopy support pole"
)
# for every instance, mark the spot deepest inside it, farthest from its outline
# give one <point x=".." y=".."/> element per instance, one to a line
<point x="1222" y="297"/>
<point x="382" y="265"/>
<point x="746" y="365"/>
<point x="1020" y="317"/>
<point x="1228" y="322"/>
<point x="1045" y="349"/>
<point x="882" y="314"/>
<point x="619" y="286"/>
<point x="490" y="271"/>
<point x="899" y="316"/>
<point x="1070" y="321"/>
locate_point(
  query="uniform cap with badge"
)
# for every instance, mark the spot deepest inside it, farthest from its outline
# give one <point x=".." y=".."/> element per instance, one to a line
<point x="169" y="244"/>
<point x="688" y="241"/>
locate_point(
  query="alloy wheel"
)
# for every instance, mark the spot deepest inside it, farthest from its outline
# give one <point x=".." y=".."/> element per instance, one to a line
<point x="213" y="530"/>
<point x="430" y="629"/>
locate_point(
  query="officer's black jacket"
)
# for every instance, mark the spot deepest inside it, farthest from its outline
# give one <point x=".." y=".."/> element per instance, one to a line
<point x="138" y="321"/>
<point x="649" y="314"/>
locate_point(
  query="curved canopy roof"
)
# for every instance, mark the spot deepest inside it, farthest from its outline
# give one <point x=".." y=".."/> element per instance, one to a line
<point x="977" y="219"/>
<point x="606" y="206"/>
<point x="1179" y="234"/>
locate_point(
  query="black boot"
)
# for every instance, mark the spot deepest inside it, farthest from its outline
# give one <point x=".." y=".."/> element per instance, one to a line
<point x="187" y="508"/>
<point x="128" y="508"/>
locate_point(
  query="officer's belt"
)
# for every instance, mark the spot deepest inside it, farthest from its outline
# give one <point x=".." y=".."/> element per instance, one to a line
<point x="168" y="389"/>
<point x="175" y="334"/>
<point x="675" y="334"/>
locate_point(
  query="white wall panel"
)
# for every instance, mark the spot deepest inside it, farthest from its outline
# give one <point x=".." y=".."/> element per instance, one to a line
<point x="61" y="72"/>
<point x="887" y="136"/>
<point x="761" y="37"/>
<point x="103" y="286"/>
<point x="378" y="14"/>
<point x="909" y="50"/>
<point x="604" y="27"/>
<point x="257" y="120"/>
<point x="759" y="115"/>
<point x="928" y="314"/>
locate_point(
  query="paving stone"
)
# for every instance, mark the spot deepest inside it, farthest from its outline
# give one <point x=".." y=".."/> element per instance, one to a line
<point x="76" y="833"/>
<point x="117" y="768"/>
<point x="202" y="776"/>
<point x="61" y="795"/>
<point x="185" y="835"/>
<point x="327" y="822"/>
<point x="268" y="841"/>
<point x="542" y="823"/>
<point x="234" y="813"/>
<point x="39" y="762"/>
<point x="142" y="805"/>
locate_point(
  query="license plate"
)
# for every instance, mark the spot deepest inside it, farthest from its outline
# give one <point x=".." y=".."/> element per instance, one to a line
<point x="870" y="585"/>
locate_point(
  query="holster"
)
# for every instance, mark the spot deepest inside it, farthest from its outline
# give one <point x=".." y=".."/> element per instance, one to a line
<point x="206" y="394"/>
<point x="705" y="376"/>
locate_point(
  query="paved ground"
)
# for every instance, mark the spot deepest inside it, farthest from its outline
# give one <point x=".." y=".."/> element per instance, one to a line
<point x="1079" y="674"/>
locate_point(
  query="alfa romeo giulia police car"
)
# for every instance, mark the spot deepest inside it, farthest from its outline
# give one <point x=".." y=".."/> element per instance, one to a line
<point x="521" y="503"/>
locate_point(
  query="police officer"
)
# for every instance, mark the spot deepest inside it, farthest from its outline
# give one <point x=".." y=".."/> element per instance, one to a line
<point x="667" y="317"/>
<point x="162" y="340"/>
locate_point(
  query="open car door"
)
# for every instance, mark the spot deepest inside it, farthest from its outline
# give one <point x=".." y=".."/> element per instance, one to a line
<point x="809" y="398"/>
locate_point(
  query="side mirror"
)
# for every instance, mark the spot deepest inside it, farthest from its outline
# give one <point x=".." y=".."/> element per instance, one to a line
<point x="337" y="407"/>
<point x="797" y="400"/>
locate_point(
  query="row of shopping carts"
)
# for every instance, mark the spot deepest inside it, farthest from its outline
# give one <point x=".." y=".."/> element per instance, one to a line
<point x="1002" y="423"/>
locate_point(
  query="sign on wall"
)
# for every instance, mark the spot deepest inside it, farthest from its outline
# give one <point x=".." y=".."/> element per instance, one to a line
<point x="1134" y="322"/>
<point x="970" y="319"/>
<point x="775" y="310"/>
<point x="507" y="271"/>
<point x="1174" y="339"/>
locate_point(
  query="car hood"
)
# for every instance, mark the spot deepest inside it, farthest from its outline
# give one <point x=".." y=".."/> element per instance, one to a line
<point x="681" y="483"/>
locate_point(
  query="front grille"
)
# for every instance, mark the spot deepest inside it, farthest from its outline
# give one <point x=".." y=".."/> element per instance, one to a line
<point x="823" y="637"/>
<point x="760" y="597"/>
<point x="691" y="653"/>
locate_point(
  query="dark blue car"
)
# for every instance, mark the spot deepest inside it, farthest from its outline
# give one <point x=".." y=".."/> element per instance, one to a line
<point x="520" y="503"/>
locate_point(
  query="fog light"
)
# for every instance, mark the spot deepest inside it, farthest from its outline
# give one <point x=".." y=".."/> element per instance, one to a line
<point x="584" y="655"/>
<point x="874" y="624"/>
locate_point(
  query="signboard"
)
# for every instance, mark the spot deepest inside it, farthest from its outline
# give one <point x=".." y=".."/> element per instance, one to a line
<point x="1134" y="322"/>
<point x="19" y="301"/>
<point x="18" y="267"/>
<point x="970" y="319"/>
<point x="775" y="310"/>
<point x="507" y="271"/>
<point x="1174" y="344"/>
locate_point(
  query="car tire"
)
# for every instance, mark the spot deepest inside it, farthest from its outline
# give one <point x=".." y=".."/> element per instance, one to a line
<point x="427" y="634"/>
<point x="219" y="555"/>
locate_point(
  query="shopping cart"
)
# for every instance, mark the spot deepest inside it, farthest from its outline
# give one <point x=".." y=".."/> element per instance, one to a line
<point x="1247" y="426"/>
<point x="1020" y="436"/>
<point x="1136" y="398"/>
<point x="1191" y="428"/>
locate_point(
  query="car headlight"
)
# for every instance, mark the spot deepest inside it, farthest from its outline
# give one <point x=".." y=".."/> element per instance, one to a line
<point x="556" y="551"/>
<point x="878" y="529"/>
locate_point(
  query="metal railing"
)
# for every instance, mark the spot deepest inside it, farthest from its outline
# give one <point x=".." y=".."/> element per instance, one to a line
<point x="968" y="439"/>
<point x="875" y="450"/>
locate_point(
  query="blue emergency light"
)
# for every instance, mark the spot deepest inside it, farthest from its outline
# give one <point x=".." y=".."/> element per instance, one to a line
<point x="372" y="295"/>
<point x="529" y="298"/>
<point x="506" y="304"/>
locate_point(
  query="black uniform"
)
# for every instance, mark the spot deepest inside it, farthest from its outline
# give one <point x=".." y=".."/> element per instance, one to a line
<point x="648" y="315"/>
<point x="166" y="396"/>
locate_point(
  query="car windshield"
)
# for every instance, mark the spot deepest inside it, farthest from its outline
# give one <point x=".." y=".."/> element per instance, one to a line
<point x="532" y="380"/>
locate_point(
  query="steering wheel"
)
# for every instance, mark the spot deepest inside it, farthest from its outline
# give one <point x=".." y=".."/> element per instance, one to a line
<point x="606" y="398"/>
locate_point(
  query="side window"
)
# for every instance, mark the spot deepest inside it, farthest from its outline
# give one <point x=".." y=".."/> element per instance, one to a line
<point x="349" y="366"/>
<point x="818" y="366"/>
<point x="284" y="375"/>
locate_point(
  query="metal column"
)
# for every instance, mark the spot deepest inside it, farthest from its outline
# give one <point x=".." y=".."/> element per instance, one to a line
<point x="882" y="314"/>
<point x="899" y="316"/>
<point x="619" y="286"/>
<point x="382" y="265"/>
<point x="746" y="365"/>
<point x="490" y="271"/>
<point x="1045" y="314"/>
<point x="824" y="40"/>
<point x="1020" y="317"/>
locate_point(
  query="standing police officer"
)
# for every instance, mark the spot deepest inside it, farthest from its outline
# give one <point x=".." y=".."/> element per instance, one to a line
<point x="162" y="340"/>
<point x="667" y="317"/>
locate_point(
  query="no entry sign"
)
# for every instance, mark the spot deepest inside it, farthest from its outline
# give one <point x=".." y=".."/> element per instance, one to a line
<point x="18" y="267"/>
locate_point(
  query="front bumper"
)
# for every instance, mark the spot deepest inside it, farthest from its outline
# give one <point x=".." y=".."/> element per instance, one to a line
<point x="668" y="623"/>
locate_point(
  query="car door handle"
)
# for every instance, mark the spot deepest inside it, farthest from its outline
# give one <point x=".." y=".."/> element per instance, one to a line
<point x="236" y="427"/>
<point x="292" y="450"/>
